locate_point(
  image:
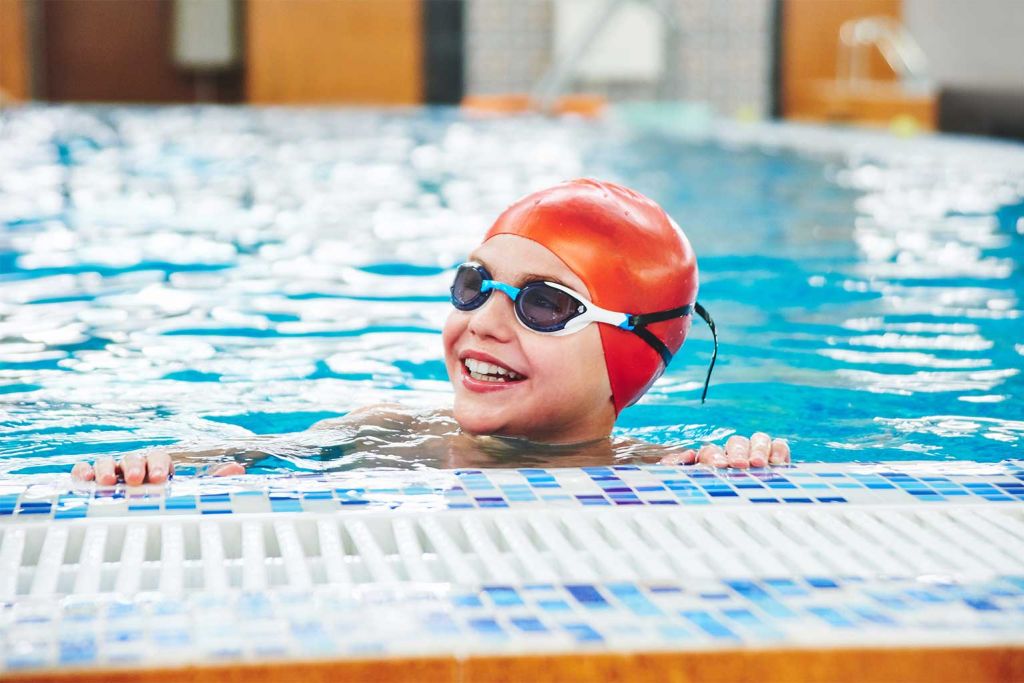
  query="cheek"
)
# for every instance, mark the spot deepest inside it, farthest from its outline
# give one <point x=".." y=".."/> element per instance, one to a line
<point x="572" y="368"/>
<point x="454" y="326"/>
<point x="592" y="376"/>
<point x="450" y="333"/>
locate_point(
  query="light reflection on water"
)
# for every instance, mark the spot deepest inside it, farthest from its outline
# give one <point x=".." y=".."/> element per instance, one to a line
<point x="174" y="275"/>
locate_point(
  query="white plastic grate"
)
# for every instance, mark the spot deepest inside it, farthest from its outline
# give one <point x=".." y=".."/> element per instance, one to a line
<point x="186" y="554"/>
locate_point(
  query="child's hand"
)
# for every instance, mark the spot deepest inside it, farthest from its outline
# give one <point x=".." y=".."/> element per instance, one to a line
<point x="155" y="467"/>
<point x="740" y="452"/>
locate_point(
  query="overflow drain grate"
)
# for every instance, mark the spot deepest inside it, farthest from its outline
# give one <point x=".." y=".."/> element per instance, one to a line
<point x="183" y="554"/>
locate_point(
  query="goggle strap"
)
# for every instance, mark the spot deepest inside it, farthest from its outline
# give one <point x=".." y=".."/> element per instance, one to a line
<point x="660" y="316"/>
<point x="654" y="343"/>
<point x="703" y="313"/>
<point x="639" y="323"/>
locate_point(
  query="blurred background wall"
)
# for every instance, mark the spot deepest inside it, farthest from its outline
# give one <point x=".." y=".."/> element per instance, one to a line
<point x="14" y="66"/>
<point x="323" y="51"/>
<point x="970" y="42"/>
<point x="117" y="50"/>
<point x="746" y="58"/>
<point x="724" y="54"/>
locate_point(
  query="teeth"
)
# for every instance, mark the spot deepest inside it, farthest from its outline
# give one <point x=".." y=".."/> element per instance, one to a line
<point x="485" y="378"/>
<point x="489" y="372"/>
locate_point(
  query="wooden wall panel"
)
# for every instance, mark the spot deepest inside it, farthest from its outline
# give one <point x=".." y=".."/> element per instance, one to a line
<point x="111" y="51"/>
<point x="810" y="33"/>
<point x="14" y="73"/>
<point x="334" y="51"/>
<point x="810" y="42"/>
<point x="810" y="47"/>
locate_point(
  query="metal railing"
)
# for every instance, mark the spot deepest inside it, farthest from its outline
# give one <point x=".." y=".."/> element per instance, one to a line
<point x="858" y="38"/>
<point x="553" y="83"/>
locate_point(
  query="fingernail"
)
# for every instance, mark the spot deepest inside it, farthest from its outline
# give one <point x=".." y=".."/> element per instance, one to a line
<point x="720" y="461"/>
<point x="134" y="472"/>
<point x="155" y="472"/>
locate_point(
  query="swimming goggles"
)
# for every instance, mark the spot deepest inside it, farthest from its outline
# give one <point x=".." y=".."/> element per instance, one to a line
<point x="552" y="308"/>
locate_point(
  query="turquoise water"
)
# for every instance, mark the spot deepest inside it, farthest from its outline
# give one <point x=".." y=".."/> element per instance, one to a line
<point x="178" y="275"/>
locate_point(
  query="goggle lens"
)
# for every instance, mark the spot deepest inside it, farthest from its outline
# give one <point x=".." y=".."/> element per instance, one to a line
<point x="467" y="289"/>
<point x="538" y="305"/>
<point x="545" y="308"/>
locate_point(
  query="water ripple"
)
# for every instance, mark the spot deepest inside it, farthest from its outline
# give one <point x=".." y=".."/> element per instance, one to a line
<point x="167" y="272"/>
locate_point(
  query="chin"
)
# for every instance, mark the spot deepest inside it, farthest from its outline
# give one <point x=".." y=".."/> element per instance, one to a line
<point x="480" y="422"/>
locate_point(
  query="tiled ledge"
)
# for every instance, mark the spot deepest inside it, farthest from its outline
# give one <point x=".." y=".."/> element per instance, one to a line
<point x="425" y="620"/>
<point x="55" y="496"/>
<point x="563" y="563"/>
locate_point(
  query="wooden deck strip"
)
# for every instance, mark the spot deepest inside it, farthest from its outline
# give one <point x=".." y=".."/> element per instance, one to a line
<point x="853" y="665"/>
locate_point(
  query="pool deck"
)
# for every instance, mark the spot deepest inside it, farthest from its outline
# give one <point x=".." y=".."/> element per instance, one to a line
<point x="885" y="571"/>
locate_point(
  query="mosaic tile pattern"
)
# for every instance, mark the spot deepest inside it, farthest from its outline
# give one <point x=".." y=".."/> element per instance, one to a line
<point x="39" y="497"/>
<point x="293" y="597"/>
<point x="432" y="619"/>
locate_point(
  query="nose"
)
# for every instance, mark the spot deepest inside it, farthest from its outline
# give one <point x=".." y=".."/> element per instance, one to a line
<point x="495" y="319"/>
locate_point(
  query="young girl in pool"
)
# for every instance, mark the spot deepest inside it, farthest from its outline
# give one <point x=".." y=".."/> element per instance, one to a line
<point x="567" y="312"/>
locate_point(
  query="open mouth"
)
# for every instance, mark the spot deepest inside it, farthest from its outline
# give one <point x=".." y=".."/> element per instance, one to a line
<point x="490" y="372"/>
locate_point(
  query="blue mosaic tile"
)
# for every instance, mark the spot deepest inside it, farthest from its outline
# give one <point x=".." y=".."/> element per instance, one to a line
<point x="529" y="624"/>
<point x="503" y="596"/>
<point x="981" y="604"/>
<point x="787" y="587"/>
<point x="750" y="622"/>
<point x="588" y="596"/>
<point x="471" y="600"/>
<point x="289" y="504"/>
<point x="487" y="627"/>
<point x="832" y="617"/>
<point x="633" y="598"/>
<point x="630" y="486"/>
<point x="707" y="623"/>
<point x="554" y="605"/>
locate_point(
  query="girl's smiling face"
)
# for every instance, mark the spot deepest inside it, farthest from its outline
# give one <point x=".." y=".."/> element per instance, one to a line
<point x="563" y="394"/>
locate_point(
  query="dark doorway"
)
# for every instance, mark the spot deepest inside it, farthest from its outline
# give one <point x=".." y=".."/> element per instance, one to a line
<point x="442" y="51"/>
<point x="120" y="51"/>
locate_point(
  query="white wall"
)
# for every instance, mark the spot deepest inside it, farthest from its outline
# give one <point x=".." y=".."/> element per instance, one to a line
<point x="724" y="52"/>
<point x="970" y="42"/>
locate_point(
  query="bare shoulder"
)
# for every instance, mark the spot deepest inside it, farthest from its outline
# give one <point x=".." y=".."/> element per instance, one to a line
<point x="382" y="414"/>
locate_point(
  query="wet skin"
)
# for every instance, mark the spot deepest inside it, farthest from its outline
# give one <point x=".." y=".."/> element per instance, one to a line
<point x="559" y="413"/>
<point x="398" y="437"/>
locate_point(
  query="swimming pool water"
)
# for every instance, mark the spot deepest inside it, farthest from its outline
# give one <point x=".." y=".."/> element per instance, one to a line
<point x="180" y="274"/>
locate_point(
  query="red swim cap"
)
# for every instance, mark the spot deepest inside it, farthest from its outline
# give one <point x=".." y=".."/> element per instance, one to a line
<point x="633" y="258"/>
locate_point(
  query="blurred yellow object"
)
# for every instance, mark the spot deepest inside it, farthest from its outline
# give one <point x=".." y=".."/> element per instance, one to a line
<point x="905" y="126"/>
<point x="581" y="105"/>
<point x="518" y="103"/>
<point x="877" y="104"/>
<point x="497" y="104"/>
<point x="747" y="114"/>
